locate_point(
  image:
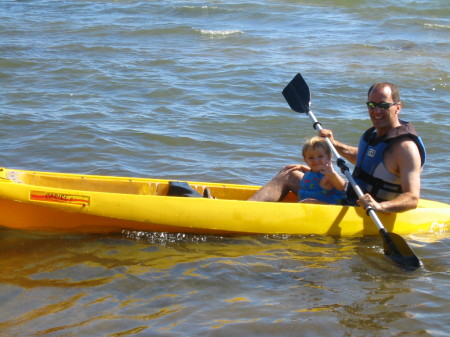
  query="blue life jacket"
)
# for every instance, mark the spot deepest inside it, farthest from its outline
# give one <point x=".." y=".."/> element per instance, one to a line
<point x="370" y="173"/>
<point x="310" y="188"/>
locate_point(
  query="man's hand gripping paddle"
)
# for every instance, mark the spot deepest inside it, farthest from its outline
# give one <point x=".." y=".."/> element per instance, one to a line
<point x="396" y="248"/>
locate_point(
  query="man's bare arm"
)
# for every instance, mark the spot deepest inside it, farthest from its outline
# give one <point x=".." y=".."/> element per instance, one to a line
<point x="348" y="152"/>
<point x="407" y="157"/>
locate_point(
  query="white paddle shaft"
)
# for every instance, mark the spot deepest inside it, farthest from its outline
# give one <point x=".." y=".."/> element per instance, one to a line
<point x="347" y="173"/>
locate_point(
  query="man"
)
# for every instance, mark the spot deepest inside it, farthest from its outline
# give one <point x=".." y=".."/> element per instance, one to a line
<point x="388" y="160"/>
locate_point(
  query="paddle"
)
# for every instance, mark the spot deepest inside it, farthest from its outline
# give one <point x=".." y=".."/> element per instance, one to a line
<point x="396" y="248"/>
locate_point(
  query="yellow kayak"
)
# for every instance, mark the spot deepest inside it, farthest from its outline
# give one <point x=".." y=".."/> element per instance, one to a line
<point x="60" y="202"/>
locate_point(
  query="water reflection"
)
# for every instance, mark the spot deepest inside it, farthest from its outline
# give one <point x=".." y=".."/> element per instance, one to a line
<point x="154" y="283"/>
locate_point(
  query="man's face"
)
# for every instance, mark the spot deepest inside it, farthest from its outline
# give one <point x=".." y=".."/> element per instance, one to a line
<point x="383" y="119"/>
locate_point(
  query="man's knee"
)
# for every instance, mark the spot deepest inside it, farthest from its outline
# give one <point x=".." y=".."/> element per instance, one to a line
<point x="293" y="180"/>
<point x="288" y="180"/>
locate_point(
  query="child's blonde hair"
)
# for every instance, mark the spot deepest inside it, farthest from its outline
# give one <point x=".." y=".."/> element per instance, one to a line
<point x="316" y="142"/>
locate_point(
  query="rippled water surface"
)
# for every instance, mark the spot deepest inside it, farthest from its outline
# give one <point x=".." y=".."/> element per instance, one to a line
<point x="192" y="90"/>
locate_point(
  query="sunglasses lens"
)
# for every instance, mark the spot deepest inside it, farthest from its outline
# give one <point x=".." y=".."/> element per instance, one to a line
<point x="371" y="105"/>
<point x="383" y="105"/>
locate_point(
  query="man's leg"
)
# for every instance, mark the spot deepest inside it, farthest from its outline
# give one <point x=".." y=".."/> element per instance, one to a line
<point x="279" y="186"/>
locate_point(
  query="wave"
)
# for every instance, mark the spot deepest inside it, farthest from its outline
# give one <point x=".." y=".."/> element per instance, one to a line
<point x="183" y="29"/>
<point x="203" y="10"/>
<point x="220" y="33"/>
<point x="437" y="26"/>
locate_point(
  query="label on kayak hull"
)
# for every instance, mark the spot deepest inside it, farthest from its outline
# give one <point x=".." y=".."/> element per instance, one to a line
<point x="61" y="198"/>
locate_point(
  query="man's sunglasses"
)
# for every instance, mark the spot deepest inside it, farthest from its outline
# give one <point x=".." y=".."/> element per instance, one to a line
<point x="382" y="105"/>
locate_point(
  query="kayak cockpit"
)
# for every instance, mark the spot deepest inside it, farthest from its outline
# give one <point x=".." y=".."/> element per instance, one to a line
<point x="121" y="185"/>
<point x="88" y="183"/>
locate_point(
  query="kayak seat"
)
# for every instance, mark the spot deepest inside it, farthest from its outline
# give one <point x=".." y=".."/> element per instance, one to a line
<point x="182" y="189"/>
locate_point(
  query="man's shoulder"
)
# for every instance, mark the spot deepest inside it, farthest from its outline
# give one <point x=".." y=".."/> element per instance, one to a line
<point x="404" y="146"/>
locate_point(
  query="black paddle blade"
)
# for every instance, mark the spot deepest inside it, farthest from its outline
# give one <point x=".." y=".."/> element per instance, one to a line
<point x="398" y="250"/>
<point x="297" y="94"/>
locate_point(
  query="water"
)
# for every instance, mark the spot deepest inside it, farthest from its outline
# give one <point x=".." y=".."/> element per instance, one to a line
<point x="192" y="90"/>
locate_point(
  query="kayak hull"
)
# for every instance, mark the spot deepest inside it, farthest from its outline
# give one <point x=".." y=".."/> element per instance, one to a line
<point x="59" y="202"/>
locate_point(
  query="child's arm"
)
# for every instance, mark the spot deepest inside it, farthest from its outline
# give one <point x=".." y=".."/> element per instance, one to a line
<point x="332" y="178"/>
<point x="336" y="180"/>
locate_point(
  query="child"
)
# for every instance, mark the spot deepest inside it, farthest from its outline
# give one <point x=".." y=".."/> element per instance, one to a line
<point x="321" y="184"/>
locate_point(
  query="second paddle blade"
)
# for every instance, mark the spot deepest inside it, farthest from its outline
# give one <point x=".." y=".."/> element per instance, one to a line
<point x="402" y="254"/>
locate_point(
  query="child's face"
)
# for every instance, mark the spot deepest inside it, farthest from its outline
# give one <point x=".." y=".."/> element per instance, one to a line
<point x="316" y="158"/>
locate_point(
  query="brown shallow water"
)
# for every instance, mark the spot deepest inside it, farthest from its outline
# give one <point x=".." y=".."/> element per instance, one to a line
<point x="149" y="284"/>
